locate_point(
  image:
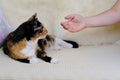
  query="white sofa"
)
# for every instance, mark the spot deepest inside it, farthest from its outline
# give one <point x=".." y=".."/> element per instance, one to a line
<point x="97" y="58"/>
<point x="84" y="63"/>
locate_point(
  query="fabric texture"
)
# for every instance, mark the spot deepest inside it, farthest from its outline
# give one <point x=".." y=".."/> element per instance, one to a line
<point x="4" y="27"/>
<point x="84" y="63"/>
<point x="98" y="62"/>
<point x="52" y="12"/>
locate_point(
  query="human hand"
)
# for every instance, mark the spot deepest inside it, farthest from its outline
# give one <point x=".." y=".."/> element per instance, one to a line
<point x="74" y="23"/>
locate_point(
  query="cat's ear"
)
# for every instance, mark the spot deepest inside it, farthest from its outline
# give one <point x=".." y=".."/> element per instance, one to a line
<point x="33" y="17"/>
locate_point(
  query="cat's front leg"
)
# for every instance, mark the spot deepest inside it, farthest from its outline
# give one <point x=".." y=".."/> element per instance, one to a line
<point x="42" y="55"/>
<point x="62" y="43"/>
<point x="42" y="43"/>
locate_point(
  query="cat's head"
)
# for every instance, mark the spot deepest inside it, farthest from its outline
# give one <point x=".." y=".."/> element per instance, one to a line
<point x="33" y="28"/>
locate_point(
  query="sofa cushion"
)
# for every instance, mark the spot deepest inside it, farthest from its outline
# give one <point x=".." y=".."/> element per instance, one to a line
<point x="51" y="13"/>
<point x="84" y="63"/>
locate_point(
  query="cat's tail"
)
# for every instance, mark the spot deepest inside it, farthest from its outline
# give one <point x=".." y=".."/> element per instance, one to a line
<point x="75" y="44"/>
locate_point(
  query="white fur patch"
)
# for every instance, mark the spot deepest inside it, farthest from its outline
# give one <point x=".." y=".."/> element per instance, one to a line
<point x="34" y="60"/>
<point x="30" y="48"/>
<point x="54" y="60"/>
<point x="60" y="43"/>
<point x="55" y="47"/>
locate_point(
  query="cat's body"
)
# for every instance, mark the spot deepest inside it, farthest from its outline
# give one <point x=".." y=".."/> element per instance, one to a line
<point x="28" y="42"/>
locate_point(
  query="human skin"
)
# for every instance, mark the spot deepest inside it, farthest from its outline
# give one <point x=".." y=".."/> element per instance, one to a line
<point x="76" y="22"/>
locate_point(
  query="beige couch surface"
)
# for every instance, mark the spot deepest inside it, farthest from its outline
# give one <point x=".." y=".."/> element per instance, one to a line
<point x="88" y="62"/>
<point x="84" y="63"/>
<point x="52" y="12"/>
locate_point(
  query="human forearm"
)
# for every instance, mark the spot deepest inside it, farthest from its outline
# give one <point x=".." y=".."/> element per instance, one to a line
<point x="108" y="17"/>
<point x="76" y="22"/>
<point x="103" y="19"/>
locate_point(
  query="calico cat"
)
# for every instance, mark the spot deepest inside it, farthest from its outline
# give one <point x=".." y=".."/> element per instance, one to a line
<point x="29" y="41"/>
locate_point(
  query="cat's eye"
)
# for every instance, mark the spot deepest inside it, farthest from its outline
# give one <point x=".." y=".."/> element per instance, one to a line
<point x="38" y="28"/>
<point x="41" y="29"/>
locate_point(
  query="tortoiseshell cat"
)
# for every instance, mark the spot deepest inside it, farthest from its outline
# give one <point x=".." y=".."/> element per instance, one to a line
<point x="28" y="42"/>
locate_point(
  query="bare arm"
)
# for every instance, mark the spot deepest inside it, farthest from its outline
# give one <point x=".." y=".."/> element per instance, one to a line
<point x="76" y="22"/>
<point x="108" y="17"/>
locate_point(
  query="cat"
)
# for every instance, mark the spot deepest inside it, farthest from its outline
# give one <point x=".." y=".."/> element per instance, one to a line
<point x="29" y="41"/>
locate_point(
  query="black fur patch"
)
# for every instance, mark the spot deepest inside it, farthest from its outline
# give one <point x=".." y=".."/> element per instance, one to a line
<point x="23" y="60"/>
<point x="43" y="56"/>
<point x="75" y="45"/>
<point x="42" y="44"/>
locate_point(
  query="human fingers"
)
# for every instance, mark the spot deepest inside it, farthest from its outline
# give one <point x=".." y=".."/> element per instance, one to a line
<point x="77" y="28"/>
<point x="65" y="25"/>
<point x="70" y="17"/>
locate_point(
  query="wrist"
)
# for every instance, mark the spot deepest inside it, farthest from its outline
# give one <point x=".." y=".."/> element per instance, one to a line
<point x="91" y="22"/>
<point x="87" y="22"/>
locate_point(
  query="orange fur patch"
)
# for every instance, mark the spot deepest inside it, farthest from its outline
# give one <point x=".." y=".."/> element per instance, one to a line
<point x="16" y="48"/>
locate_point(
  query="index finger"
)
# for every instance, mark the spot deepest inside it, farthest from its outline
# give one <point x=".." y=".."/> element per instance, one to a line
<point x="69" y="17"/>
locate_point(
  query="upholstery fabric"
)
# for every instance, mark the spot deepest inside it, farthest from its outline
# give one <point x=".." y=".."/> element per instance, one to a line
<point x="85" y="63"/>
<point x="97" y="58"/>
<point x="52" y="12"/>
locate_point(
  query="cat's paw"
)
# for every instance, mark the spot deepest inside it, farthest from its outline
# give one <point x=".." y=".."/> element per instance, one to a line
<point x="54" y="60"/>
<point x="34" y="60"/>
